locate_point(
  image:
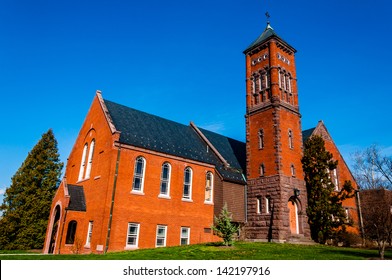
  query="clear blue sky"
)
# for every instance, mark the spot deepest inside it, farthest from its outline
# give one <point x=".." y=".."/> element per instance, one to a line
<point x="183" y="60"/>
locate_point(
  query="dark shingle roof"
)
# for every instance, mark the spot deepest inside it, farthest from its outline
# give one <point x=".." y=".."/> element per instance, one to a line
<point x="307" y="133"/>
<point x="77" y="201"/>
<point x="158" y="134"/>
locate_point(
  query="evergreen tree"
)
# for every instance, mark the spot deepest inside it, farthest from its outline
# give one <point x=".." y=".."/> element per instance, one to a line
<point x="224" y="227"/>
<point x="27" y="201"/>
<point x="325" y="213"/>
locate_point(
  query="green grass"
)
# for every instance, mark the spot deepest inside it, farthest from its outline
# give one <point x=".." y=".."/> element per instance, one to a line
<point x="240" y="251"/>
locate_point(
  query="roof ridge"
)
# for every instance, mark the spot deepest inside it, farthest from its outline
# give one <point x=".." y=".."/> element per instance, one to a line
<point x="205" y="139"/>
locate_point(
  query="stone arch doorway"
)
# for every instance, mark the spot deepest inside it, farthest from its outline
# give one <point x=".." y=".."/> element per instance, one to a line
<point x="293" y="216"/>
<point x="55" y="227"/>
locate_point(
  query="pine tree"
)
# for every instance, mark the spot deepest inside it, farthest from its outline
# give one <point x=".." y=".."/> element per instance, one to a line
<point x="27" y="201"/>
<point x="224" y="227"/>
<point x="325" y="213"/>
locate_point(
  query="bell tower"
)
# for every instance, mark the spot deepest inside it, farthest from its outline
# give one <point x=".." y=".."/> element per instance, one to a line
<point x="276" y="187"/>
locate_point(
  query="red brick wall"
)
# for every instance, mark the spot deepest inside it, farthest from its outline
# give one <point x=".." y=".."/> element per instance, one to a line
<point x="343" y="173"/>
<point x="149" y="210"/>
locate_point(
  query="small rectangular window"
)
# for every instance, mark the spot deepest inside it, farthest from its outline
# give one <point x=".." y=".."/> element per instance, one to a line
<point x="133" y="235"/>
<point x="161" y="236"/>
<point x="185" y="235"/>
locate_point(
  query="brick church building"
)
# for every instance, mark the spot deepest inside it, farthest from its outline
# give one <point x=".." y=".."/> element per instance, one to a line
<point x="135" y="180"/>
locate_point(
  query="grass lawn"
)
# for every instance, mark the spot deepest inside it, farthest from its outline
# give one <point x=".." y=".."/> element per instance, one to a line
<point x="240" y="251"/>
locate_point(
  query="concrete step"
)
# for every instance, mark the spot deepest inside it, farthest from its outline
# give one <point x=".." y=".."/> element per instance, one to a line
<point x="300" y="239"/>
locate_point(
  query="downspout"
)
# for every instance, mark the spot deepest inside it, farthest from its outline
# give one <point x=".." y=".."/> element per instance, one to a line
<point x="113" y="195"/>
<point x="360" y="215"/>
<point x="246" y="199"/>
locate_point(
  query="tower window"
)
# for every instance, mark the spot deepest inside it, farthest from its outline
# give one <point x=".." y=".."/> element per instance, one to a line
<point x="261" y="139"/>
<point x="291" y="142"/>
<point x="258" y="205"/>
<point x="253" y="85"/>
<point x="292" y="170"/>
<point x="262" y="169"/>
<point x="268" y="205"/>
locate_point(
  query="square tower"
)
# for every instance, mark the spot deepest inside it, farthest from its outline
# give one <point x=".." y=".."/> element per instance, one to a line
<point x="276" y="187"/>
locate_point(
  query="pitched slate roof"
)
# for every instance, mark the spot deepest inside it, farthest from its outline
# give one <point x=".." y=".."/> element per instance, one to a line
<point x="307" y="133"/>
<point x="268" y="33"/>
<point x="77" y="201"/>
<point x="158" y="134"/>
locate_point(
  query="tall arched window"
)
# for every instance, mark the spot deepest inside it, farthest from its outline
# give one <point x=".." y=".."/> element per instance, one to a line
<point x="262" y="169"/>
<point x="261" y="139"/>
<point x="187" y="191"/>
<point x="209" y="187"/>
<point x="292" y="168"/>
<point x="70" y="239"/>
<point x="90" y="159"/>
<point x="83" y="162"/>
<point x="165" y="180"/>
<point x="291" y="142"/>
<point x="138" y="176"/>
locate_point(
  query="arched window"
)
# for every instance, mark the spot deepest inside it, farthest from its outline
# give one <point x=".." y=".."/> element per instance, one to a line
<point x="187" y="192"/>
<point x="262" y="169"/>
<point x="70" y="239"/>
<point x="209" y="187"/>
<point x="261" y="139"/>
<point x="83" y="162"/>
<point x="138" y="176"/>
<point x="90" y="159"/>
<point x="292" y="168"/>
<point x="165" y="180"/>
<point x="291" y="142"/>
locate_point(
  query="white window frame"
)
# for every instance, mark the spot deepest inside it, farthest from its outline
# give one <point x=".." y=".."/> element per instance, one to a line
<point x="267" y="204"/>
<point x="139" y="176"/>
<point x="189" y="184"/>
<point x="90" y="160"/>
<point x="133" y="246"/>
<point x="209" y="189"/>
<point x="83" y="162"/>
<point x="258" y="205"/>
<point x="89" y="234"/>
<point x="186" y="236"/>
<point x="160" y="236"/>
<point x="165" y="180"/>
